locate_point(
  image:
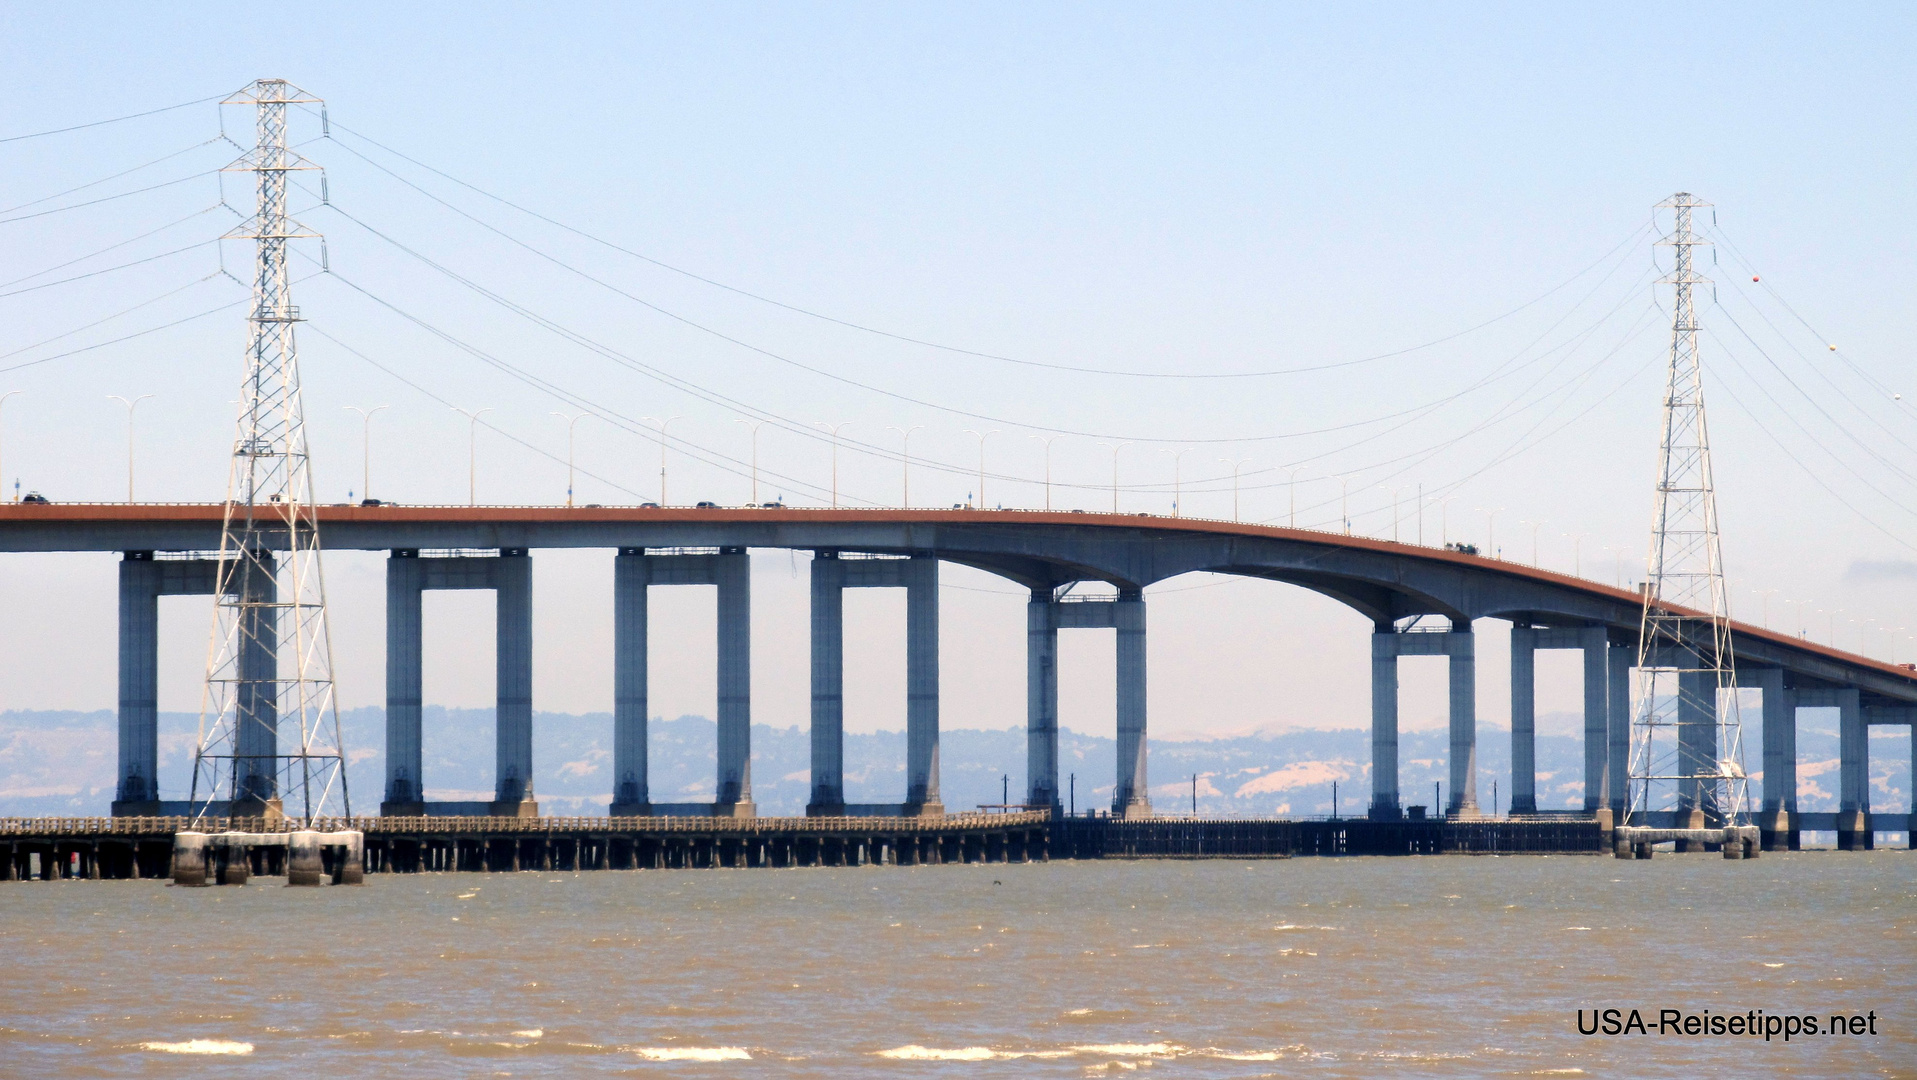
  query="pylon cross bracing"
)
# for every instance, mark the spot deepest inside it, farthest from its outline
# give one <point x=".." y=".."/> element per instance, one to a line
<point x="269" y="740"/>
<point x="1687" y="745"/>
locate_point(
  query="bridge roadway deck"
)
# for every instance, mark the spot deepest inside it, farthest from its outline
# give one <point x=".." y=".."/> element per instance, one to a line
<point x="1382" y="579"/>
<point x="1394" y="585"/>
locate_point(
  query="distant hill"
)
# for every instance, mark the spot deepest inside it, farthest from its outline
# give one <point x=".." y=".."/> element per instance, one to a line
<point x="63" y="763"/>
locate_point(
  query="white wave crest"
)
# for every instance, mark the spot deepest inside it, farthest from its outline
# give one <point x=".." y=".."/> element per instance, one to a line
<point x="915" y="1052"/>
<point x="692" y="1053"/>
<point x="200" y="1046"/>
<point x="1126" y="1049"/>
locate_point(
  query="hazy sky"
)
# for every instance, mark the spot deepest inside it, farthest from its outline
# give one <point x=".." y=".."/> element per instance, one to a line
<point x="1172" y="190"/>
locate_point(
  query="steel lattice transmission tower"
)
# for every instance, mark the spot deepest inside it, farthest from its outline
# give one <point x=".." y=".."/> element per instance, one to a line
<point x="271" y="657"/>
<point x="1687" y="742"/>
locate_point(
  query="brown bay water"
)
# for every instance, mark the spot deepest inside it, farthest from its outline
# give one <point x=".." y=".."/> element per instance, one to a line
<point x="1438" y="966"/>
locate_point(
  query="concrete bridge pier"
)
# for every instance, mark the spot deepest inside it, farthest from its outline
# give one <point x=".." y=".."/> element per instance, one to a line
<point x="513" y="786"/>
<point x="1132" y="798"/>
<point x="1384" y="724"/>
<point x="1853" y="774"/>
<point x="631" y="794"/>
<point x="1524" y="698"/>
<point x="832" y="574"/>
<point x="828" y="686"/>
<point x="1617" y="694"/>
<point x="1041" y="702"/>
<point x="1388" y="643"/>
<point x="1777" y="813"/>
<point x="509" y="575"/>
<point x="143" y="580"/>
<point x="257" y="694"/>
<point x="729" y="570"/>
<point x="1594" y="642"/>
<point x="1697" y="707"/>
<point x="1462" y="655"/>
<point x="1125" y="613"/>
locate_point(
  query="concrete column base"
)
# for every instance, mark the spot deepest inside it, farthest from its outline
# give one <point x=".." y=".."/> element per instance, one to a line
<point x="821" y="809"/>
<point x="735" y="809"/>
<point x="402" y="809"/>
<point x="519" y="808"/>
<point x="1134" y="810"/>
<point x="137" y="808"/>
<point x="1523" y="805"/>
<point x="629" y="809"/>
<point x="1691" y="819"/>
<point x="923" y="810"/>
<point x="1853" y="831"/>
<point x="1777" y="830"/>
<point x="1384" y="812"/>
<point x="1602" y="815"/>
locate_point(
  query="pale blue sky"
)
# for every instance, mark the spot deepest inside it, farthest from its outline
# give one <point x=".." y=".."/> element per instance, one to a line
<point x="1164" y="189"/>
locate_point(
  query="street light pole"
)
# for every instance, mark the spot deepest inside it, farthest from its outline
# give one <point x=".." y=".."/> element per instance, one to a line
<point x="1491" y="530"/>
<point x="1047" y="440"/>
<point x="1535" y="525"/>
<point x="1235" y="466"/>
<point x="3" y="401"/>
<point x="130" y="406"/>
<point x="366" y="447"/>
<point x="905" y="457"/>
<point x="754" y="426"/>
<point x="472" y="453"/>
<point x="1178" y="478"/>
<point x="834" y="429"/>
<point x="663" y="425"/>
<point x="571" y="423"/>
<point x="1292" y="521"/>
<point x="1115" y="448"/>
<point x="982" y="436"/>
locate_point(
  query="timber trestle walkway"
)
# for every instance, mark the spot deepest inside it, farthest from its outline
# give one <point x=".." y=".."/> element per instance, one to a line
<point x="142" y="847"/>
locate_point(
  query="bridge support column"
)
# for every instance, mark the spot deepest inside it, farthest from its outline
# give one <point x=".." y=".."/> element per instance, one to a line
<point x="405" y="581"/>
<point x="828" y="686"/>
<point x="732" y="573"/>
<point x="513" y="789"/>
<point x="1853" y="772"/>
<point x="1041" y="701"/>
<point x="1618" y="724"/>
<point x="1464" y="721"/>
<point x="1597" y="719"/>
<point x="1524" y="707"/>
<point x="631" y="793"/>
<point x="1132" y="797"/>
<point x="257" y="695"/>
<point x="1777" y="820"/>
<point x="918" y="575"/>
<point x="1384" y="724"/>
<point x="922" y="687"/>
<point x="1697" y="707"/>
<point x="138" y="790"/>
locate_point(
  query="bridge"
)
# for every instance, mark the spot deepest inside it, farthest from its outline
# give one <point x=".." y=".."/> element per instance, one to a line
<point x="1420" y="601"/>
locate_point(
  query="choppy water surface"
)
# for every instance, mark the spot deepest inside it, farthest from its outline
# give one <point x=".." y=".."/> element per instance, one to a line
<point x="1448" y="966"/>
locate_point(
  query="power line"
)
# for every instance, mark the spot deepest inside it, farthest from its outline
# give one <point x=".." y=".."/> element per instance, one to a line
<point x="129" y="337"/>
<point x="114" y="120"/>
<point x="908" y="339"/>
<point x="111" y="247"/>
<point x="111" y="269"/>
<point x="107" y="198"/>
<point x="96" y="183"/>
